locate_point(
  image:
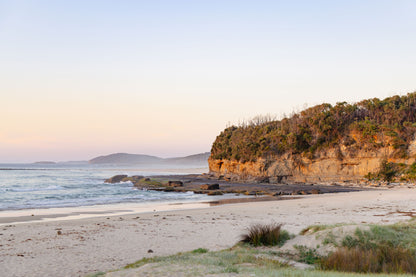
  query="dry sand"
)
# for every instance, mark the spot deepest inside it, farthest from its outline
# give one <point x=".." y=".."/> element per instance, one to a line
<point x="105" y="242"/>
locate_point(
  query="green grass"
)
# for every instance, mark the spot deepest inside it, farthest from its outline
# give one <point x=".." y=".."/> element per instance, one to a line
<point x="200" y="251"/>
<point x="396" y="235"/>
<point x="242" y="259"/>
<point x="307" y="255"/>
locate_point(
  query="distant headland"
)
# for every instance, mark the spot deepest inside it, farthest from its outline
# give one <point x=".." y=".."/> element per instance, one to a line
<point x="132" y="159"/>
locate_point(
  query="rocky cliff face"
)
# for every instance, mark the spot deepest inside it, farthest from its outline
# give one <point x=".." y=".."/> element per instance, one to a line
<point x="334" y="165"/>
<point x="323" y="143"/>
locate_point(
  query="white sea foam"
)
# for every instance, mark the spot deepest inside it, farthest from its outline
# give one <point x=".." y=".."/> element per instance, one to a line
<point x="26" y="187"/>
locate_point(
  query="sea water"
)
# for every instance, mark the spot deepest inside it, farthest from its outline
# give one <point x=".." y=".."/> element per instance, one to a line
<point x="33" y="186"/>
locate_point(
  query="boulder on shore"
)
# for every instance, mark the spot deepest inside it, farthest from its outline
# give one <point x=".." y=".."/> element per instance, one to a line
<point x="210" y="186"/>
<point x="115" y="179"/>
<point x="175" y="184"/>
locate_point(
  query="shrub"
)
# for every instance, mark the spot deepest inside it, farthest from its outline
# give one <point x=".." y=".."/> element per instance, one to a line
<point x="270" y="234"/>
<point x="382" y="249"/>
<point x="383" y="259"/>
<point x="307" y="255"/>
<point x="386" y="172"/>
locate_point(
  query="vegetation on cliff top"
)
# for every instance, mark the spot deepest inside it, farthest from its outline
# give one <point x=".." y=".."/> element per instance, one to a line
<point x="370" y="124"/>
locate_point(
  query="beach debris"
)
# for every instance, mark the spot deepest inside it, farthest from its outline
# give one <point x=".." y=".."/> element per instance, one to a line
<point x="59" y="232"/>
<point x="150" y="251"/>
<point x="210" y="186"/>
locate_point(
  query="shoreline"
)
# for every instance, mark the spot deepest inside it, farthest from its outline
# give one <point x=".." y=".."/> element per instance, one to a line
<point x="78" y="247"/>
<point x="120" y="209"/>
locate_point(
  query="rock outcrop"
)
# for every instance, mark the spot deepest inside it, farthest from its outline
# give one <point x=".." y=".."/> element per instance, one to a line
<point x="328" y="167"/>
<point x="175" y="184"/>
<point x="210" y="187"/>
<point x="324" y="143"/>
<point x="115" y="179"/>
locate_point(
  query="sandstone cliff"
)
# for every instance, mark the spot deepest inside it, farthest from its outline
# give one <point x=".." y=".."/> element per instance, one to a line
<point x="310" y="147"/>
<point x="327" y="168"/>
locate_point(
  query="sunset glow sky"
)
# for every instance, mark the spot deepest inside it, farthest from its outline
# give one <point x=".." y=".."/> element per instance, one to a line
<point x="80" y="79"/>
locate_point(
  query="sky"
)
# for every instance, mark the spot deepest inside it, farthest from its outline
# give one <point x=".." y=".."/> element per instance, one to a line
<point x="79" y="79"/>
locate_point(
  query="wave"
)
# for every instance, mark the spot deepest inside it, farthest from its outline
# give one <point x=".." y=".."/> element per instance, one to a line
<point x="33" y="189"/>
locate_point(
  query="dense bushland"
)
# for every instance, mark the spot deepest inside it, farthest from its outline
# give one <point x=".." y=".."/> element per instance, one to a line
<point x="376" y="123"/>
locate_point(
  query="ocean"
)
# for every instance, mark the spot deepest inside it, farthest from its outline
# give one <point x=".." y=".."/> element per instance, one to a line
<point x="34" y="186"/>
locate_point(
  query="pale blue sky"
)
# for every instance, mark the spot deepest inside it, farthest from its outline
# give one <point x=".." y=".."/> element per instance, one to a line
<point x="85" y="78"/>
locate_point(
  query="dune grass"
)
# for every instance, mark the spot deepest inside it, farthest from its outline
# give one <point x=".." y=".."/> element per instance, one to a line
<point x="382" y="249"/>
<point x="240" y="260"/>
<point x="267" y="235"/>
<point x="386" y="250"/>
<point x="382" y="259"/>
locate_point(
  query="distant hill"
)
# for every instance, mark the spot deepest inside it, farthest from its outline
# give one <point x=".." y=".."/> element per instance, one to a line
<point x="201" y="158"/>
<point x="74" y="162"/>
<point x="45" y="162"/>
<point x="125" y="158"/>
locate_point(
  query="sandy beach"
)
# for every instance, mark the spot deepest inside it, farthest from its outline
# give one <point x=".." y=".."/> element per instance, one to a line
<point x="77" y="242"/>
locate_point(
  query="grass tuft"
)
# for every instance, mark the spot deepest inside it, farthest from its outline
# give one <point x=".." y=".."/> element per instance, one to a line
<point x="268" y="235"/>
<point x="200" y="251"/>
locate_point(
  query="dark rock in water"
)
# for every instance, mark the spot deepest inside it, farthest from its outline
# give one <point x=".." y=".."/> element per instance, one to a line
<point x="147" y="183"/>
<point x="115" y="179"/>
<point x="210" y="186"/>
<point x="150" y="251"/>
<point x="134" y="179"/>
<point x="175" y="184"/>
